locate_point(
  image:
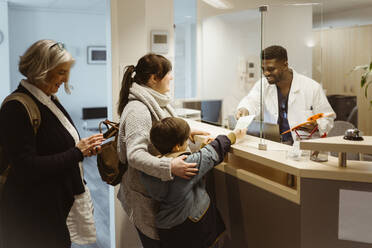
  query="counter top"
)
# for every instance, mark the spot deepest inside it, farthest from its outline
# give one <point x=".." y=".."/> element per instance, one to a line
<point x="275" y="157"/>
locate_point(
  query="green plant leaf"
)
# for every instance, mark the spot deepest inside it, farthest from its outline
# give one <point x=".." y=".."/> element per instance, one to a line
<point x="363" y="80"/>
<point x="366" y="89"/>
<point x="370" y="66"/>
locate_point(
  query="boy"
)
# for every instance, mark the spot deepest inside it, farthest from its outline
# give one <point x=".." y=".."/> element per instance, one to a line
<point x="186" y="217"/>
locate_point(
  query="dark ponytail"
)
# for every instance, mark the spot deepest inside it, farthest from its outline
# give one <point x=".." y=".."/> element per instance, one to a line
<point x="148" y="65"/>
<point x="126" y="83"/>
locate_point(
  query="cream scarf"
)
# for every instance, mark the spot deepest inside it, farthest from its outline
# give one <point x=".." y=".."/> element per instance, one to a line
<point x="80" y="220"/>
<point x="155" y="101"/>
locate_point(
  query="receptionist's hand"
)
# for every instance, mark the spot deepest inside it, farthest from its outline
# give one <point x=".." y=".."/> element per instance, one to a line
<point x="241" y="112"/>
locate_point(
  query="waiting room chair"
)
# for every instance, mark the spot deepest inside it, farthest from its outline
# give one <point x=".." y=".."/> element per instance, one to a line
<point x="353" y="116"/>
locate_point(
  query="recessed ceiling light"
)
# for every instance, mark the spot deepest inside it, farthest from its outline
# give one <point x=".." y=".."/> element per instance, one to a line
<point x="219" y="4"/>
<point x="303" y="4"/>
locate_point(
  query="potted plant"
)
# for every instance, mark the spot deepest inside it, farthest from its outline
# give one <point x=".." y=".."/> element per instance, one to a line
<point x="367" y="72"/>
<point x="364" y="83"/>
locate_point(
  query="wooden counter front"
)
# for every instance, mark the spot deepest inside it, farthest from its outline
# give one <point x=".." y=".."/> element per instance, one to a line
<point x="274" y="166"/>
<point x="269" y="200"/>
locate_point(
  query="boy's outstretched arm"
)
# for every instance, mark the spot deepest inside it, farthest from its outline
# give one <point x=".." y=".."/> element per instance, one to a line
<point x="214" y="153"/>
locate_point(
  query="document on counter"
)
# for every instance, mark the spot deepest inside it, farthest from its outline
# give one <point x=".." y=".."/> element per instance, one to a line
<point x="244" y="122"/>
<point x="355" y="216"/>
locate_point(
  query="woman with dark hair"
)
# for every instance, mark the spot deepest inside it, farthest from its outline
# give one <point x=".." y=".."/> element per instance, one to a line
<point x="45" y="202"/>
<point x="144" y="100"/>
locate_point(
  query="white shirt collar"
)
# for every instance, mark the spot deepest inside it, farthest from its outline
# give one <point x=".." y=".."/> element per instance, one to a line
<point x="36" y="92"/>
<point x="47" y="101"/>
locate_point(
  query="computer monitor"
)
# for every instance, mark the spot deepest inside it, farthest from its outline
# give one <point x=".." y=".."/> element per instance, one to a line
<point x="270" y="130"/>
<point x="211" y="111"/>
<point x="94" y="113"/>
<point x="92" y="116"/>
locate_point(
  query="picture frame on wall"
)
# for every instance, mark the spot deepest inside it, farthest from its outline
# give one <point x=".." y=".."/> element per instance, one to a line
<point x="96" y="55"/>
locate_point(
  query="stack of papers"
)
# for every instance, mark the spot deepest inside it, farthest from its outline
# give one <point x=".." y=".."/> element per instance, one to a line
<point x="244" y="122"/>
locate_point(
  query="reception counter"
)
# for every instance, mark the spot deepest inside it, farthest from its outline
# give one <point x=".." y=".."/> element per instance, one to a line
<point x="268" y="200"/>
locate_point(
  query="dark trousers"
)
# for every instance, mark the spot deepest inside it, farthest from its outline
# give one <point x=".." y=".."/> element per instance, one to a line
<point x="202" y="234"/>
<point x="148" y="242"/>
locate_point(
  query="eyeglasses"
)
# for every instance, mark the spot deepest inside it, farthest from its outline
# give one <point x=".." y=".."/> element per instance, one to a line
<point x="60" y="45"/>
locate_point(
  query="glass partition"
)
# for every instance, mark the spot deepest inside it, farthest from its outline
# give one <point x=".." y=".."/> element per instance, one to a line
<point x="290" y="26"/>
<point x="324" y="42"/>
<point x="224" y="51"/>
<point x="229" y="65"/>
<point x="185" y="49"/>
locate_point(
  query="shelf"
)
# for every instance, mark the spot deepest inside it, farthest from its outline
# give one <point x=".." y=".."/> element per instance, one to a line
<point x="338" y="144"/>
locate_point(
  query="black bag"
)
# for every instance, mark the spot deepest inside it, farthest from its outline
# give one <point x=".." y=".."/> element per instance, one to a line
<point x="35" y="119"/>
<point x="109" y="166"/>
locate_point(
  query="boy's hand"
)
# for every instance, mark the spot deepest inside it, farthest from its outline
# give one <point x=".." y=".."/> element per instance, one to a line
<point x="197" y="132"/>
<point x="206" y="142"/>
<point x="240" y="133"/>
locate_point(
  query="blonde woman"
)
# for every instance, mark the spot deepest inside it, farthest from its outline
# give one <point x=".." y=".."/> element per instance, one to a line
<point x="45" y="202"/>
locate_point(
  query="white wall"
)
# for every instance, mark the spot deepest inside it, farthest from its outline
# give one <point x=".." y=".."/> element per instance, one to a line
<point x="291" y="27"/>
<point x="225" y="43"/>
<point x="159" y="16"/>
<point x="352" y="17"/>
<point x="4" y="52"/>
<point x="228" y="39"/>
<point x="76" y="31"/>
<point x="131" y="24"/>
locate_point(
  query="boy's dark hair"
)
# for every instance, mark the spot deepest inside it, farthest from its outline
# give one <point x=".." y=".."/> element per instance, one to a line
<point x="168" y="133"/>
<point x="274" y="52"/>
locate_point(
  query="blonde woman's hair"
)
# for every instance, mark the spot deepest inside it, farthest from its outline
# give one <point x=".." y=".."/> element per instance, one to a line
<point x="42" y="57"/>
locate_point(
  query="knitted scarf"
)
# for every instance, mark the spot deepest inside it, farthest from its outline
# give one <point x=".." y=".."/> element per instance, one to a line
<point x="154" y="101"/>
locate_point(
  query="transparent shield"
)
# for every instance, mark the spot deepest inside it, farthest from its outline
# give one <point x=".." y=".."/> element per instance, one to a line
<point x="228" y="61"/>
<point x="294" y="28"/>
<point x="185" y="49"/>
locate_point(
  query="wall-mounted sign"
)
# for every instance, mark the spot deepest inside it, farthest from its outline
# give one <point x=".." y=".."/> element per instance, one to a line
<point x="159" y="42"/>
<point x="96" y="54"/>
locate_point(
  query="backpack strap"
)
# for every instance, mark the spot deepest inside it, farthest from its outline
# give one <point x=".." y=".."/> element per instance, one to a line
<point x="30" y="105"/>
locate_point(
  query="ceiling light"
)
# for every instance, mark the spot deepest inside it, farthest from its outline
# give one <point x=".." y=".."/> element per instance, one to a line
<point x="219" y="4"/>
<point x="302" y="4"/>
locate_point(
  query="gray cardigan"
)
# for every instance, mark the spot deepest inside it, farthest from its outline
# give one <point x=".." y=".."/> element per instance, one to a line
<point x="144" y="107"/>
<point x="180" y="199"/>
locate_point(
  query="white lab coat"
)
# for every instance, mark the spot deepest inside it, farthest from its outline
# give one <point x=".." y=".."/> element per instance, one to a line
<point x="306" y="98"/>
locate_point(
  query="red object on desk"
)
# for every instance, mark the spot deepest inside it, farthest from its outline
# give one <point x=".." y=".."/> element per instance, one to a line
<point x="312" y="119"/>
